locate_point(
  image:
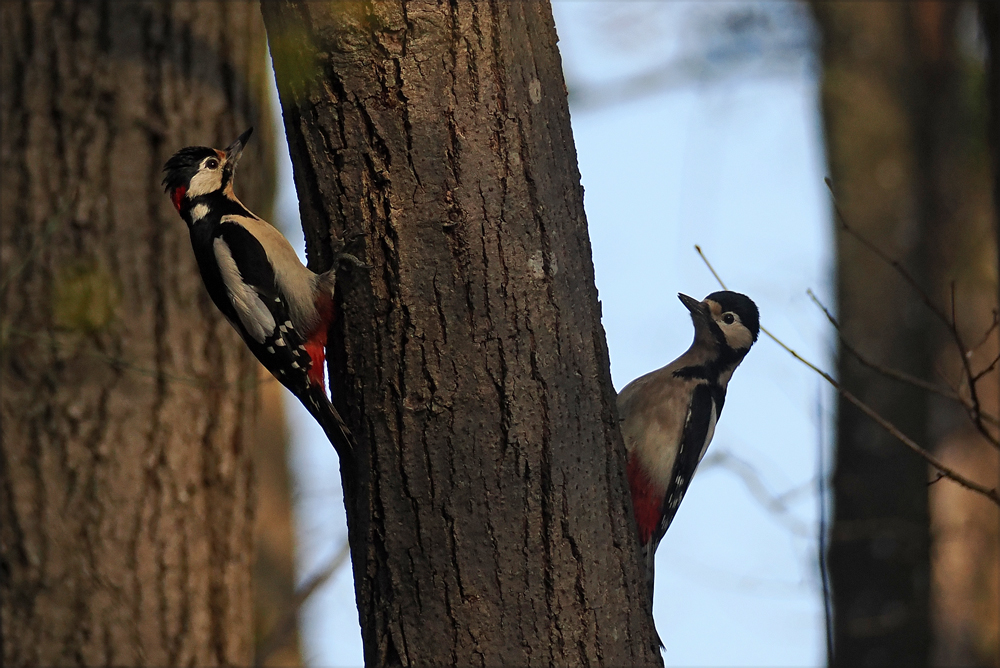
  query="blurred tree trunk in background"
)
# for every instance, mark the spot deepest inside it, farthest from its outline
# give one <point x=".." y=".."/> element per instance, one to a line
<point x="989" y="17"/>
<point x="126" y="512"/>
<point x="913" y="573"/>
<point x="489" y="517"/>
<point x="274" y="554"/>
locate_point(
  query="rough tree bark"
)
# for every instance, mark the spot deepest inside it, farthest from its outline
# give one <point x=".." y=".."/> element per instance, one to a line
<point x="125" y="477"/>
<point x="488" y="514"/>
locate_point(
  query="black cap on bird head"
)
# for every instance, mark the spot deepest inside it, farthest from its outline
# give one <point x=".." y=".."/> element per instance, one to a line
<point x="742" y="306"/>
<point x="184" y="165"/>
<point x="705" y="312"/>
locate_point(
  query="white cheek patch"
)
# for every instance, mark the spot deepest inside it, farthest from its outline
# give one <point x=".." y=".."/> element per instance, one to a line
<point x="738" y="336"/>
<point x="198" y="212"/>
<point x="204" y="182"/>
<point x="252" y="312"/>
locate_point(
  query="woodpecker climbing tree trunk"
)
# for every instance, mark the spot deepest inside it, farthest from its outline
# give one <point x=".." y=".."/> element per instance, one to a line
<point x="127" y="402"/>
<point x="489" y="517"/>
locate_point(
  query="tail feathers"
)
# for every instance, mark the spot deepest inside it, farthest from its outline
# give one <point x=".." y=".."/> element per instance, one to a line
<point x="649" y="561"/>
<point x="319" y="406"/>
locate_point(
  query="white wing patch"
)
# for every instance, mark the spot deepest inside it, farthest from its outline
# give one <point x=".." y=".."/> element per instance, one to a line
<point x="251" y="310"/>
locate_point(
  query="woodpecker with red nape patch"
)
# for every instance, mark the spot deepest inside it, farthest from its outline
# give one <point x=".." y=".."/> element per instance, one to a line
<point x="282" y="310"/>
<point x="668" y="416"/>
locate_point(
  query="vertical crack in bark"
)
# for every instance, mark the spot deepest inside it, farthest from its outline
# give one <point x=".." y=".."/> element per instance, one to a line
<point x="458" y="316"/>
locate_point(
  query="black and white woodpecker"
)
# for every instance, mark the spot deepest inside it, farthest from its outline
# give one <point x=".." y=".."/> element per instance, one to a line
<point x="282" y="310"/>
<point x="669" y="415"/>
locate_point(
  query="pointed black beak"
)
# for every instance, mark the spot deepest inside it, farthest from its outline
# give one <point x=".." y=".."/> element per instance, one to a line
<point x="692" y="304"/>
<point x="697" y="308"/>
<point x="234" y="150"/>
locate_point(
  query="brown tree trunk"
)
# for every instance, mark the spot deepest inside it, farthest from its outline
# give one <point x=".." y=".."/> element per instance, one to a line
<point x="880" y="544"/>
<point x="914" y="573"/>
<point x="125" y="477"/>
<point x="276" y="636"/>
<point x="489" y="516"/>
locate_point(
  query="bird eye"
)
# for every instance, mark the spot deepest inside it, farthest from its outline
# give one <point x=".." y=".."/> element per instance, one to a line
<point x="211" y="163"/>
<point x="729" y="318"/>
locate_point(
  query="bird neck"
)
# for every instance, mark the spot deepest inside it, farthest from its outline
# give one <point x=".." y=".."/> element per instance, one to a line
<point x="208" y="209"/>
<point x="716" y="367"/>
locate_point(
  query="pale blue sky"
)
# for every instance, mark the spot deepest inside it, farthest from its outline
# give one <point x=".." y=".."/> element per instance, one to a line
<point x="726" y="153"/>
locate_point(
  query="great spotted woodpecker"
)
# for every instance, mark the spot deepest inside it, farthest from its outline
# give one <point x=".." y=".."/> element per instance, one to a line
<point x="669" y="415"/>
<point x="281" y="309"/>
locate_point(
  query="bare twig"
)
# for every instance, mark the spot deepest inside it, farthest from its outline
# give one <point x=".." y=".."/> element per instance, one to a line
<point x="902" y="376"/>
<point x="992" y="365"/>
<point x="946" y="392"/>
<point x="990" y="493"/>
<point x="895" y="264"/>
<point x="986" y="336"/>
<point x="284" y="627"/>
<point x="973" y="407"/>
<point x="824" y="573"/>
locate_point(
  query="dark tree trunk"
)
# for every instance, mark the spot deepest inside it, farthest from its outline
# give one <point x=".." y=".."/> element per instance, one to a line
<point x="125" y="476"/>
<point x="906" y="155"/>
<point x="880" y="545"/>
<point x="276" y="633"/>
<point x="989" y="17"/>
<point x="488" y="515"/>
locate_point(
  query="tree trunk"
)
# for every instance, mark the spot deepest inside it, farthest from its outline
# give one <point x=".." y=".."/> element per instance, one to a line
<point x="905" y="146"/>
<point x="125" y="470"/>
<point x="276" y="642"/>
<point x="489" y="516"/>
<point x="880" y="545"/>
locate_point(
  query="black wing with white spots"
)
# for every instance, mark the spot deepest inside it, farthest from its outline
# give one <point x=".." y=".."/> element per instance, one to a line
<point x="689" y="452"/>
<point x="260" y="312"/>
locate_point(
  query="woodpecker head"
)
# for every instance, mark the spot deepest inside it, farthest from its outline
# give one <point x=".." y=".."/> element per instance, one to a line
<point x="726" y="321"/>
<point x="199" y="170"/>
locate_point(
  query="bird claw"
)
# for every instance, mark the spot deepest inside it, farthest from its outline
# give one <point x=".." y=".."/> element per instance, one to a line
<point x="342" y="257"/>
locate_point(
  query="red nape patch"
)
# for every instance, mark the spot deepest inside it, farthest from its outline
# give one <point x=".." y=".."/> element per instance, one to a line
<point x="176" y="195"/>
<point x="647" y="499"/>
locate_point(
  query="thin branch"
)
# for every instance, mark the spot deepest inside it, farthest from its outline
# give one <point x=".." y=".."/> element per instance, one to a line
<point x="946" y="392"/>
<point x="285" y="626"/>
<point x="986" y="336"/>
<point x="895" y="264"/>
<point x="901" y="376"/>
<point x="973" y="407"/>
<point x="985" y="371"/>
<point x="990" y="493"/>
<point x="824" y="573"/>
<point x="710" y="267"/>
